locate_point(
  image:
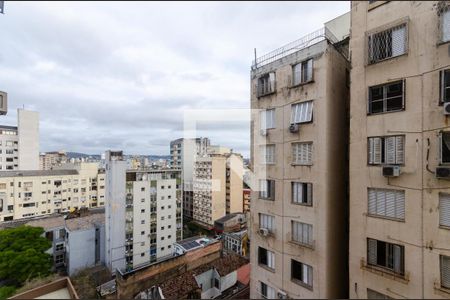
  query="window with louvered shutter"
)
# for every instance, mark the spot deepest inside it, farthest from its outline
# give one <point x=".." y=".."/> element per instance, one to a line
<point x="302" y="233"/>
<point x="445" y="271"/>
<point x="444" y="210"/>
<point x="394" y="150"/>
<point x="302" y="193"/>
<point x="388" y="43"/>
<point x="268" y="154"/>
<point x="267" y="119"/>
<point x="301" y="112"/>
<point x="302" y="153"/>
<point x="302" y="273"/>
<point x="386" y="203"/>
<point x="445" y="25"/>
<point x="267" y="221"/>
<point x="371" y="252"/>
<point x="386" y="255"/>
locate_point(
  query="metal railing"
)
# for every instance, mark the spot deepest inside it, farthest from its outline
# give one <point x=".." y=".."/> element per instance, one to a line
<point x="302" y="43"/>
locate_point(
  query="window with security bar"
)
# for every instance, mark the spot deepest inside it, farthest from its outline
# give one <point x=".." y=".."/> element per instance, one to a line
<point x="302" y="193"/>
<point x="386" y="255"/>
<point x="302" y="72"/>
<point x="388" y="43"/>
<point x="266" y="84"/>
<point x="301" y="273"/>
<point x="388" y="97"/>
<point x="444" y="83"/>
<point x="302" y="233"/>
<point x="386" y="150"/>
<point x="301" y="112"/>
<point x="445" y="271"/>
<point x="302" y="153"/>
<point x="267" y="118"/>
<point x="386" y="203"/>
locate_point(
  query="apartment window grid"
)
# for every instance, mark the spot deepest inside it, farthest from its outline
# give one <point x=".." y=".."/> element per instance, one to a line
<point x="267" y="221"/>
<point x="386" y="203"/>
<point x="445" y="271"/>
<point x="444" y="22"/>
<point x="444" y="210"/>
<point x="388" y="43"/>
<point x="267" y="189"/>
<point x="444" y="147"/>
<point x="302" y="112"/>
<point x="386" y="150"/>
<point x="302" y="193"/>
<point x="267" y="292"/>
<point x="302" y="233"/>
<point x="386" y="255"/>
<point x="266" y="258"/>
<point x="302" y="153"/>
<point x="302" y="273"/>
<point x="266" y="84"/>
<point x="302" y="72"/>
<point x="389" y="97"/>
<point x="267" y="118"/>
<point x="268" y="154"/>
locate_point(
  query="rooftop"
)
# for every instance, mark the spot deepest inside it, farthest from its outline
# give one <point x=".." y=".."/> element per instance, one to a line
<point x="5" y="127"/>
<point x="29" y="173"/>
<point x="228" y="217"/>
<point x="58" y="289"/>
<point x="195" y="242"/>
<point x="85" y="222"/>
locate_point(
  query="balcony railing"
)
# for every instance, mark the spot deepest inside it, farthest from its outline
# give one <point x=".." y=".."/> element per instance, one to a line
<point x="302" y="43"/>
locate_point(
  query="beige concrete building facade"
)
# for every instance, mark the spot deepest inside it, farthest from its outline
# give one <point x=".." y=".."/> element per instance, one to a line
<point x="298" y="225"/>
<point x="217" y="186"/>
<point x="25" y="194"/>
<point x="49" y="160"/>
<point x="399" y="150"/>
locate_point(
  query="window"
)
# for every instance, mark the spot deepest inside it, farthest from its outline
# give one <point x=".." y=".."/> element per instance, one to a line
<point x="301" y="273"/>
<point x="302" y="193"/>
<point x="386" y="203"/>
<point x="267" y="221"/>
<point x="301" y="112"/>
<point x="266" y="258"/>
<point x="444" y="140"/>
<point x="267" y="189"/>
<point x="444" y="209"/>
<point x="267" y="292"/>
<point x="59" y="259"/>
<point x="302" y="233"/>
<point x="59" y="247"/>
<point x="142" y="232"/>
<point x="445" y="24"/>
<point x="388" y="43"/>
<point x="445" y="271"/>
<point x="387" y="97"/>
<point x="267" y="119"/>
<point x="162" y="248"/>
<point x="142" y="189"/>
<point x="386" y="255"/>
<point x="444" y="84"/>
<point x="266" y="84"/>
<point x="302" y="72"/>
<point x="268" y="154"/>
<point x="371" y="294"/>
<point x="302" y="153"/>
<point x="142" y="254"/>
<point x="386" y="150"/>
<point x="142" y="210"/>
<point x="142" y="221"/>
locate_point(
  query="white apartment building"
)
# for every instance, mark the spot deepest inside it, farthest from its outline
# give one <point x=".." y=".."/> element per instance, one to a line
<point x="25" y="194"/>
<point x="143" y="215"/>
<point x="49" y="160"/>
<point x="218" y="187"/>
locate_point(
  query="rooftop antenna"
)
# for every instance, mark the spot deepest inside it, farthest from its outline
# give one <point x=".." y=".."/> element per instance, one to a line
<point x="255" y="59"/>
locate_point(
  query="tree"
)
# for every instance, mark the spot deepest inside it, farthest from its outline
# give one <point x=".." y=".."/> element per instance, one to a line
<point x="6" y="291"/>
<point x="22" y="254"/>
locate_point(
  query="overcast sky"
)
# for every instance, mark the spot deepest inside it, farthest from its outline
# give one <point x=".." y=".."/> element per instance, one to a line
<point x="119" y="75"/>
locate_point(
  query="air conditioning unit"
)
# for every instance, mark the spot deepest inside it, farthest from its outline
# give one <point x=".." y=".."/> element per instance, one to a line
<point x="281" y="294"/>
<point x="443" y="172"/>
<point x="263" y="132"/>
<point x="391" y="171"/>
<point x="264" y="231"/>
<point x="447" y="108"/>
<point x="294" y="128"/>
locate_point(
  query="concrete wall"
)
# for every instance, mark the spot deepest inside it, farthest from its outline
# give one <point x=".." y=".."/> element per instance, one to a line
<point x="80" y="250"/>
<point x="28" y="130"/>
<point x="420" y="122"/>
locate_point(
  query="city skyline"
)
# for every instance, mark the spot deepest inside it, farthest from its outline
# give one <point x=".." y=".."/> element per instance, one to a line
<point x="107" y="77"/>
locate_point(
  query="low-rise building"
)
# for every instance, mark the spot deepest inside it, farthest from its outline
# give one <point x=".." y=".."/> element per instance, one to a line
<point x="25" y="194"/>
<point x="237" y="242"/>
<point x="231" y="222"/>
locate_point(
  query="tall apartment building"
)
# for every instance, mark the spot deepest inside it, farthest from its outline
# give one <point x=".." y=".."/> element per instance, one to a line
<point x="49" y="160"/>
<point x="183" y="152"/>
<point x="298" y="225"/>
<point x="25" y="194"/>
<point x="218" y="187"/>
<point x="400" y="150"/>
<point x="143" y="214"/>
<point x="19" y="145"/>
